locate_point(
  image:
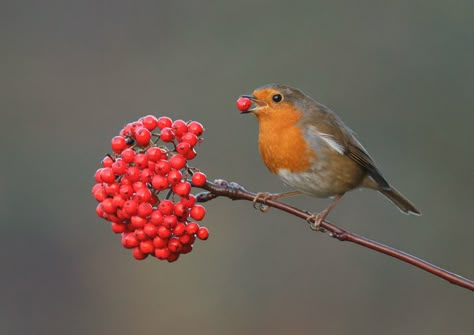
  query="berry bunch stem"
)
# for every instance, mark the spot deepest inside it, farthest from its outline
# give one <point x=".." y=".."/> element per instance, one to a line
<point x="234" y="191"/>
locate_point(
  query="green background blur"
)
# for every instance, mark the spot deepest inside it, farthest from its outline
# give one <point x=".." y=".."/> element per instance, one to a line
<point x="401" y="74"/>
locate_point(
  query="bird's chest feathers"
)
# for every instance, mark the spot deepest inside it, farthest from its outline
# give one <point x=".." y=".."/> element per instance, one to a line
<point x="282" y="146"/>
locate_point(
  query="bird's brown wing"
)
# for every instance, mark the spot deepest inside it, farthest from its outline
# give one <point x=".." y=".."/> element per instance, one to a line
<point x="357" y="152"/>
<point x="329" y="123"/>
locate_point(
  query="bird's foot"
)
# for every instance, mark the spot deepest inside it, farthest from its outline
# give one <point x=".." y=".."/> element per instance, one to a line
<point x="260" y="199"/>
<point x="315" y="221"/>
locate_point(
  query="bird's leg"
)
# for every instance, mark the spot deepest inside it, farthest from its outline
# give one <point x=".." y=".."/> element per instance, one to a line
<point x="315" y="219"/>
<point x="264" y="196"/>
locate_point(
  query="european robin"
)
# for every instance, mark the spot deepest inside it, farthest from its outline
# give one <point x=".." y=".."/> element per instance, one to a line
<point x="312" y="150"/>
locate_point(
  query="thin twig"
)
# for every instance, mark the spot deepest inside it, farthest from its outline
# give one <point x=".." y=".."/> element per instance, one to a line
<point x="236" y="192"/>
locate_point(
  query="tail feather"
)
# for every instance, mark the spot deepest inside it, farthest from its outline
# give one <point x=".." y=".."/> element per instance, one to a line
<point x="398" y="199"/>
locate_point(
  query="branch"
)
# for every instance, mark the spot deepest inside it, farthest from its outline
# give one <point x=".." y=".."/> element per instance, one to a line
<point x="236" y="192"/>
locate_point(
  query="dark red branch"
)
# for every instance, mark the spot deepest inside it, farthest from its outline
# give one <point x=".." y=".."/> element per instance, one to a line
<point x="237" y="192"/>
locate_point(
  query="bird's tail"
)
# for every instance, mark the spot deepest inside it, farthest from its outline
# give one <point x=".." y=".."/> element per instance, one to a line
<point x="398" y="199"/>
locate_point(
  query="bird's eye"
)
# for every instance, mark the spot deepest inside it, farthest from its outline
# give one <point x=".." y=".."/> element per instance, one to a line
<point x="277" y="98"/>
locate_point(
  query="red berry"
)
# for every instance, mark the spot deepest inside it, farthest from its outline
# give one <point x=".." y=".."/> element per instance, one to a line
<point x="118" y="227"/>
<point x="143" y="194"/>
<point x="163" y="167"/>
<point x="167" y="135"/>
<point x="138" y="222"/>
<point x="174" y="245"/>
<point x="108" y="206"/>
<point x="189" y="138"/>
<point x="140" y="234"/>
<point x="141" y="161"/>
<point x="183" y="148"/>
<point x="196" y="128"/>
<point x="166" y="207"/>
<point x="159" y="183"/>
<point x="243" y="104"/>
<point x="126" y="190"/>
<point x="164" y="122"/>
<point x="133" y="173"/>
<point x="107" y="175"/>
<point x="150" y="230"/>
<point x="177" y="162"/>
<point x="189" y="201"/>
<point x="127" y="130"/>
<point x="181" y="211"/>
<point x="118" y="144"/>
<point x="149" y="122"/>
<point x="186" y="249"/>
<point x="100" y="211"/>
<point x="138" y="185"/>
<point x="172" y="258"/>
<point x="146" y="175"/>
<point x="118" y="201"/>
<point x="198" y="212"/>
<point x="162" y="254"/>
<point x="112" y="189"/>
<point x="147" y="246"/>
<point x="128" y="155"/>
<point x="130" y="207"/>
<point x="192" y="228"/>
<point x="121" y="215"/>
<point x="202" y="233"/>
<point x="179" y="127"/>
<point x="192" y="238"/>
<point x="135" y="125"/>
<point x="130" y="241"/>
<point x="99" y="193"/>
<point x="119" y="167"/>
<point x="138" y="254"/>
<point x="174" y="176"/>
<point x="107" y="161"/>
<point x="191" y="155"/>
<point x="198" y="179"/>
<point x="96" y="187"/>
<point x="97" y="176"/>
<point x="179" y="229"/>
<point x="164" y="232"/>
<point x="142" y="136"/>
<point x="144" y="209"/>
<point x="182" y="188"/>
<point x="170" y="221"/>
<point x="156" y="217"/>
<point x="151" y="165"/>
<point x="153" y="154"/>
<point x="125" y="180"/>
<point x="159" y="242"/>
<point x="185" y="239"/>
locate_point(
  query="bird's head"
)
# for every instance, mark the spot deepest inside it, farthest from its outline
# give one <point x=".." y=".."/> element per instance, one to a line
<point x="275" y="102"/>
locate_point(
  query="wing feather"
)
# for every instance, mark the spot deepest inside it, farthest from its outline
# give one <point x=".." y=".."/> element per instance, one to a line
<point x="340" y="138"/>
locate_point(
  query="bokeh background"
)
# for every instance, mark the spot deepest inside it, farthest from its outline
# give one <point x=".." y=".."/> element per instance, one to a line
<point x="401" y="74"/>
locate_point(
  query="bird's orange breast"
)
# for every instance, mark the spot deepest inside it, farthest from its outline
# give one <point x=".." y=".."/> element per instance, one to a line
<point x="281" y="142"/>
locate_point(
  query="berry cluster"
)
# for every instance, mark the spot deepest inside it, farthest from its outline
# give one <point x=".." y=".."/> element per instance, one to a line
<point x="143" y="188"/>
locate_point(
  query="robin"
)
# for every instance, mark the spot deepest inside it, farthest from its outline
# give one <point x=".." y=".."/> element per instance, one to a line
<point x="312" y="150"/>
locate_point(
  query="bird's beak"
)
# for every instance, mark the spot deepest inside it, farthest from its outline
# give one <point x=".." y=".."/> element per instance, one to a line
<point x="256" y="104"/>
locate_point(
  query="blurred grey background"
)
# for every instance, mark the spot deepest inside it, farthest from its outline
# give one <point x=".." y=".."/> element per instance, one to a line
<point x="400" y="74"/>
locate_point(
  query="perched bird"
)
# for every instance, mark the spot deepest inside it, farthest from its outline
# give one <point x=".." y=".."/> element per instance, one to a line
<point x="312" y="150"/>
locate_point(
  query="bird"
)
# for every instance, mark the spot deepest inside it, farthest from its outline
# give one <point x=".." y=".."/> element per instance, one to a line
<point x="312" y="151"/>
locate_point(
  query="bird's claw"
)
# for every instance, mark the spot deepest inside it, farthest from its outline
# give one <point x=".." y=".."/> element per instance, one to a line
<point x="315" y="221"/>
<point x="263" y="197"/>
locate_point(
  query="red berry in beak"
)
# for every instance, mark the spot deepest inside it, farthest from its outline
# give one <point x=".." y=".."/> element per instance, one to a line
<point x="243" y="104"/>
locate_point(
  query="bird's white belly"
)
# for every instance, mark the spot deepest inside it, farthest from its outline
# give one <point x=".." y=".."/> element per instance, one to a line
<point x="309" y="183"/>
